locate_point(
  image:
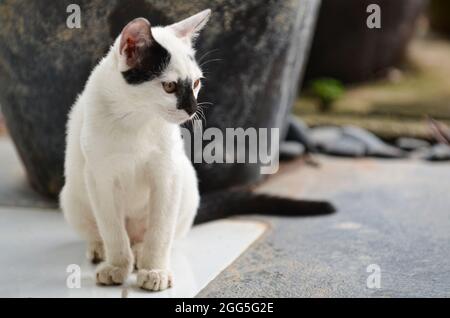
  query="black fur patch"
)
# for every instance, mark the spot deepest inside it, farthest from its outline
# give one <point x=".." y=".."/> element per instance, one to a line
<point x="185" y="96"/>
<point x="153" y="63"/>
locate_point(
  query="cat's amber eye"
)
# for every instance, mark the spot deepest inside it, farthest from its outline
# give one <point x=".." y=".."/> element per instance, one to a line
<point x="196" y="83"/>
<point x="170" y="87"/>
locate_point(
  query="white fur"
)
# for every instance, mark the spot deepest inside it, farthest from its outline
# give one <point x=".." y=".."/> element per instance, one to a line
<point x="130" y="189"/>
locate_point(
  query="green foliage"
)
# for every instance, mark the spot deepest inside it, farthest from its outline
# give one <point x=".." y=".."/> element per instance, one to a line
<point x="327" y="90"/>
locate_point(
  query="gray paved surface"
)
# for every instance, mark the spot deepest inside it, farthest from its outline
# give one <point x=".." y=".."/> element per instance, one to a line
<point x="395" y="214"/>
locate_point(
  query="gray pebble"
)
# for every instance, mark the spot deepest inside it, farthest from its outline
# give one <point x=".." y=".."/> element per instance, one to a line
<point x="299" y="131"/>
<point x="352" y="141"/>
<point x="290" y="150"/>
<point x="438" y="152"/>
<point x="374" y="145"/>
<point x="347" y="147"/>
<point x="410" y="144"/>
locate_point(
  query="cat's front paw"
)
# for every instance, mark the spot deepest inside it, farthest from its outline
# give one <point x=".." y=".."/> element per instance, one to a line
<point x="154" y="279"/>
<point x="108" y="274"/>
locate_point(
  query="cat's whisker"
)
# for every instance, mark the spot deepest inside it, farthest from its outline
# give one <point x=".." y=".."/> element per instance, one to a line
<point x="202" y="114"/>
<point x="192" y="121"/>
<point x="200" y="122"/>
<point x="210" y="61"/>
<point x="205" y="105"/>
<point x="202" y="107"/>
<point x="195" y="120"/>
<point x="200" y="59"/>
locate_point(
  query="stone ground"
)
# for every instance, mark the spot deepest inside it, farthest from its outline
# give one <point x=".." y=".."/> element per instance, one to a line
<point x="395" y="214"/>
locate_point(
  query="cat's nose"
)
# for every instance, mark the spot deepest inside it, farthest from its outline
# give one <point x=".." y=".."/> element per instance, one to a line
<point x="191" y="109"/>
<point x="189" y="104"/>
<point x="185" y="97"/>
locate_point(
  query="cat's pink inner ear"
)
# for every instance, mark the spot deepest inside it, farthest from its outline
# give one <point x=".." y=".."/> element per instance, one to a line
<point x="135" y="37"/>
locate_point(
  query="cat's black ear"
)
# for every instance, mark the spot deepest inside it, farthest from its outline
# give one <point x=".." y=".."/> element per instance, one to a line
<point x="135" y="38"/>
<point x="189" y="28"/>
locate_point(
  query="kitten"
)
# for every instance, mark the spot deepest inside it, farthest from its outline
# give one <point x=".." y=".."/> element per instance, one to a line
<point x="130" y="188"/>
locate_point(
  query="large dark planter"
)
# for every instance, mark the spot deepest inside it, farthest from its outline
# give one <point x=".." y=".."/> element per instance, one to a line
<point x="439" y="13"/>
<point x="44" y="65"/>
<point x="346" y="49"/>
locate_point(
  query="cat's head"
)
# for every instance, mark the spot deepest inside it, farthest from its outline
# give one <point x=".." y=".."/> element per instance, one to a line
<point x="159" y="67"/>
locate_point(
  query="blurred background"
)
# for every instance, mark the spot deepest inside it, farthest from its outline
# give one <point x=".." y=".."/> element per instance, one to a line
<point x="340" y="77"/>
<point x="388" y="80"/>
<point x="393" y="81"/>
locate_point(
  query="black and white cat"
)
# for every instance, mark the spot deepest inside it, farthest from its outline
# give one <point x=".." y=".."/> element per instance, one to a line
<point x="130" y="188"/>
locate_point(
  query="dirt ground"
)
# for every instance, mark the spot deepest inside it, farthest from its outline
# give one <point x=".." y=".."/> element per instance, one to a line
<point x="398" y="104"/>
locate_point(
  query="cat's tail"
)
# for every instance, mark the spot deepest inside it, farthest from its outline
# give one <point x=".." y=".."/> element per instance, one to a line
<point x="222" y="204"/>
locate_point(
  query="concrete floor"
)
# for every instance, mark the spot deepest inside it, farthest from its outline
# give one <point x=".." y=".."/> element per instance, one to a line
<point x="394" y="215"/>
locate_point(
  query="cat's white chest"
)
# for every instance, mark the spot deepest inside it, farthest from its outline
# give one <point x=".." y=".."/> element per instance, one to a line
<point x="134" y="174"/>
<point x="135" y="188"/>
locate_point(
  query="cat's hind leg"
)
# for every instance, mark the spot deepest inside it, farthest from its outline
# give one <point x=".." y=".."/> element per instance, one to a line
<point x="95" y="252"/>
<point x="190" y="200"/>
<point x="79" y="215"/>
